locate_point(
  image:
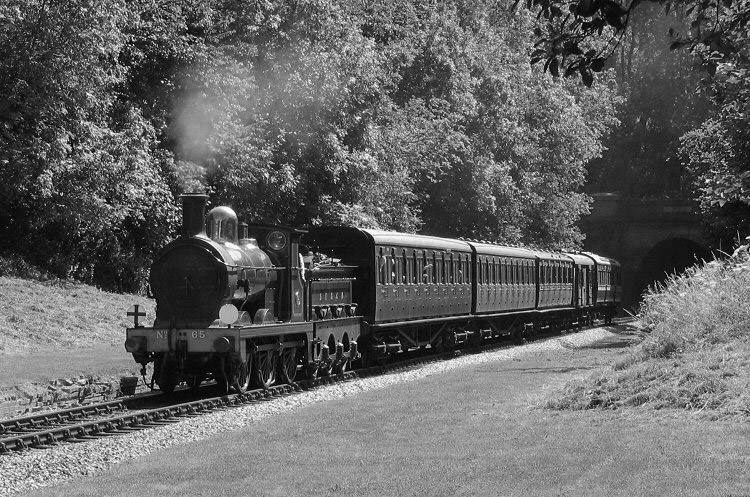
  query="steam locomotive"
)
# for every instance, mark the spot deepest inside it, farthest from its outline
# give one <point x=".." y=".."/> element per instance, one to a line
<point x="244" y="305"/>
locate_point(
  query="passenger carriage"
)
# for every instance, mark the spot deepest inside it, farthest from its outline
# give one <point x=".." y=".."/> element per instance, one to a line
<point x="584" y="288"/>
<point x="608" y="286"/>
<point x="412" y="290"/>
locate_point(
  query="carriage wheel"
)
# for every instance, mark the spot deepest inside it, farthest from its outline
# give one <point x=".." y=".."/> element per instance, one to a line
<point x="325" y="368"/>
<point x="241" y="376"/>
<point x="340" y="366"/>
<point x="264" y="370"/>
<point x="311" y="371"/>
<point x="288" y="365"/>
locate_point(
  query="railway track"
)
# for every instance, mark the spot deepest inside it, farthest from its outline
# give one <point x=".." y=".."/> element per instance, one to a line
<point x="138" y="412"/>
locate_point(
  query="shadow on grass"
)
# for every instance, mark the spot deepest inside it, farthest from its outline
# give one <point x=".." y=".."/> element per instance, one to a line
<point x="609" y="343"/>
<point x="558" y="370"/>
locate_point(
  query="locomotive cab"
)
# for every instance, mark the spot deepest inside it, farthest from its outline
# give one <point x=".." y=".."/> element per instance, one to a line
<point x="280" y="244"/>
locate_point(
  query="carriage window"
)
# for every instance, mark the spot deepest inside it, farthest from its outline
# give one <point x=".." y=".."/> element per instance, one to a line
<point x="392" y="267"/>
<point x="460" y="262"/>
<point x="404" y="268"/>
<point x="419" y="264"/>
<point x="381" y="268"/>
<point x="434" y="269"/>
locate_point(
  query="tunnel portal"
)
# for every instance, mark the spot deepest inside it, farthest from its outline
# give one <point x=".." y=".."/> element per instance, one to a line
<point x="666" y="258"/>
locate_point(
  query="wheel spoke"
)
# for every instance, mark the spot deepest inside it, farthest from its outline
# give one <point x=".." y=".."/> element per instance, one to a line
<point x="289" y="365"/>
<point x="241" y="376"/>
<point x="265" y="369"/>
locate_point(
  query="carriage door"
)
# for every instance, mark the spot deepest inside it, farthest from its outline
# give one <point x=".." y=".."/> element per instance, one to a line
<point x="298" y="289"/>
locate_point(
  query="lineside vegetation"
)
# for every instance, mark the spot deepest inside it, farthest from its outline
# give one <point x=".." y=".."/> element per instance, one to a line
<point x="695" y="351"/>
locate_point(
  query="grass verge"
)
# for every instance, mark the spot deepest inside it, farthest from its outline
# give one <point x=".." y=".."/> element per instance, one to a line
<point x="54" y="329"/>
<point x="467" y="432"/>
<point x="695" y="351"/>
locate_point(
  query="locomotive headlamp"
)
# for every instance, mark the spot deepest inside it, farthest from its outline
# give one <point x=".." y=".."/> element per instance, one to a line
<point x="276" y="240"/>
<point x="228" y="314"/>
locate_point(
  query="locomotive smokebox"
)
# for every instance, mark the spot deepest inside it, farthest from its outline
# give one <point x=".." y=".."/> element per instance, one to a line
<point x="194" y="214"/>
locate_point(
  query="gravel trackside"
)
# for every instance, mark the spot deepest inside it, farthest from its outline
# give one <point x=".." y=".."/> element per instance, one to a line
<point x="46" y="467"/>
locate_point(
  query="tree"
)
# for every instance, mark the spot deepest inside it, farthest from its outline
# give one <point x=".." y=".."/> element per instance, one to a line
<point x="660" y="102"/>
<point x="578" y="37"/>
<point x="85" y="196"/>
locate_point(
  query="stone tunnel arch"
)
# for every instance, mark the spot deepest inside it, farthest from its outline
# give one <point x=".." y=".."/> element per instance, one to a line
<point x="668" y="257"/>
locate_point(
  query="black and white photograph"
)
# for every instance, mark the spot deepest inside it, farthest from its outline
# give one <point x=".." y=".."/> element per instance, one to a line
<point x="406" y="248"/>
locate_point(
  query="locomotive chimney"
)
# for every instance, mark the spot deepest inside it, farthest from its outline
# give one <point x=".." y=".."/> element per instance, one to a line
<point x="194" y="214"/>
<point x="243" y="231"/>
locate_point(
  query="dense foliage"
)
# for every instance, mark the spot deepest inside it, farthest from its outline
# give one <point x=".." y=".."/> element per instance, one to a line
<point x="400" y="115"/>
<point x="661" y="103"/>
<point x="585" y="36"/>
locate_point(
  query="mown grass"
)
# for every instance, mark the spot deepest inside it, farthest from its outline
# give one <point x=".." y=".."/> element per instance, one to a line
<point x="43" y="312"/>
<point x="695" y="351"/>
<point x="467" y="432"/>
<point x="55" y="314"/>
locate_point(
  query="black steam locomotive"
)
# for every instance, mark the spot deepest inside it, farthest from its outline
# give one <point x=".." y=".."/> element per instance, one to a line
<point x="245" y="306"/>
